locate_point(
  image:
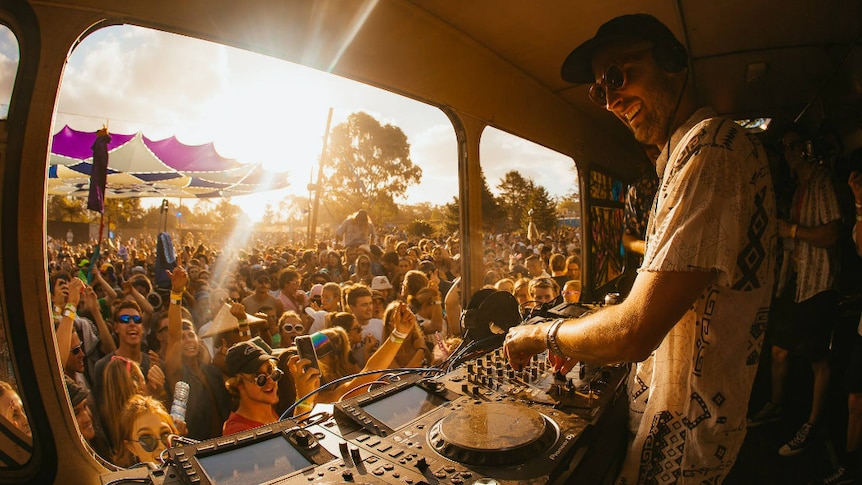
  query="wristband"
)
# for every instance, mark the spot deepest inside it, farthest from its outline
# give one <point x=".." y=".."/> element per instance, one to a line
<point x="243" y="322"/>
<point x="793" y="230"/>
<point x="69" y="313"/>
<point x="551" y="339"/>
<point x="395" y="339"/>
<point x="177" y="294"/>
<point x="176" y="301"/>
<point x="244" y="332"/>
<point x="304" y="407"/>
<point x="72" y="307"/>
<point x="398" y="334"/>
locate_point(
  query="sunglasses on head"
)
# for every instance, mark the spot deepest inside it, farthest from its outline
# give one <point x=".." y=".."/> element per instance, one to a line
<point x="129" y="319"/>
<point x="292" y="327"/>
<point x="149" y="442"/>
<point x="260" y="379"/>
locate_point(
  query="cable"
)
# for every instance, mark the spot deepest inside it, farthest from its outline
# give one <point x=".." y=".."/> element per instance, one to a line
<point x="415" y="370"/>
<point x="129" y="480"/>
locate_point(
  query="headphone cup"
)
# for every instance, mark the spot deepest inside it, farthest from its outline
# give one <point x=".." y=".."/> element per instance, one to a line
<point x="670" y="55"/>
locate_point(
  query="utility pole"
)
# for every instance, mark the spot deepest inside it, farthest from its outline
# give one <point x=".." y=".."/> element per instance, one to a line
<point x="324" y="156"/>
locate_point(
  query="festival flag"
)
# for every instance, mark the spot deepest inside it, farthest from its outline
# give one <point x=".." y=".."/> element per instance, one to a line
<point x="99" y="174"/>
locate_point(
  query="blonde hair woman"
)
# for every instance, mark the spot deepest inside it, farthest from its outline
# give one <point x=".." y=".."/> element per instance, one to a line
<point x="145" y="429"/>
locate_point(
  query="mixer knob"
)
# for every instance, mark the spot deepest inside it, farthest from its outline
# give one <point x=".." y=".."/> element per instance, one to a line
<point x="510" y="373"/>
<point x="347" y="475"/>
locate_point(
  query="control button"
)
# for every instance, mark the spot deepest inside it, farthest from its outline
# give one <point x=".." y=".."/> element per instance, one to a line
<point x="373" y="442"/>
<point x="303" y="438"/>
<point x="449" y="469"/>
<point x="440" y="474"/>
<point x="195" y="479"/>
<point x="422" y="463"/>
<point x="378" y="471"/>
<point x="396" y="475"/>
<point x="347" y="475"/>
<point x="180" y="453"/>
<point x="363" y="438"/>
<point x="466" y="474"/>
<point x="385" y="448"/>
<point x="388" y="466"/>
<point x="187" y="466"/>
<point x="396" y="453"/>
<point x="371" y="459"/>
<point x="456" y="480"/>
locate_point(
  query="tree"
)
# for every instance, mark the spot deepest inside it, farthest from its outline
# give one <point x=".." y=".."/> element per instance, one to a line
<point x="493" y="217"/>
<point x="515" y="193"/>
<point x="123" y="210"/>
<point x="544" y="210"/>
<point x="369" y="166"/>
<point x="68" y="209"/>
<point x="420" y="228"/>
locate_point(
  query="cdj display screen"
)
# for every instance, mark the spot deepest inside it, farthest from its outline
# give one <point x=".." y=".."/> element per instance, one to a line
<point x="256" y="463"/>
<point x="404" y="406"/>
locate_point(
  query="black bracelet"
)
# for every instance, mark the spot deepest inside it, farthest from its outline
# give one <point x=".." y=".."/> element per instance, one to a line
<point x="551" y="339"/>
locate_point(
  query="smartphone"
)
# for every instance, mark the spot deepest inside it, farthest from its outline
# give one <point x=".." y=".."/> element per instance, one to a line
<point x="305" y="348"/>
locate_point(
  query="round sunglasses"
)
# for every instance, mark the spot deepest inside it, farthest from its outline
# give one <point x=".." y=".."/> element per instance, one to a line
<point x="260" y="379"/>
<point x="613" y="78"/>
<point x="149" y="442"/>
<point x="292" y="327"/>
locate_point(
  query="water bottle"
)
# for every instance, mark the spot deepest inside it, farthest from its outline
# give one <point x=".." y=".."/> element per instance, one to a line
<point x="181" y="397"/>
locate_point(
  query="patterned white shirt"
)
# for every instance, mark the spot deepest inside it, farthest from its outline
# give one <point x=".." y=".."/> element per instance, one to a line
<point x="714" y="211"/>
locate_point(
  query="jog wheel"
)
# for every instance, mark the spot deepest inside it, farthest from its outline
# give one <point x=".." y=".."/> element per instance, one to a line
<point x="493" y="434"/>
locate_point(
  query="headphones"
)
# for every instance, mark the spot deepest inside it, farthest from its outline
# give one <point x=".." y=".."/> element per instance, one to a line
<point x="670" y="54"/>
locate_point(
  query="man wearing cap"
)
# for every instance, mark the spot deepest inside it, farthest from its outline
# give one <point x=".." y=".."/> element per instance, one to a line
<point x="697" y="310"/>
<point x="253" y="377"/>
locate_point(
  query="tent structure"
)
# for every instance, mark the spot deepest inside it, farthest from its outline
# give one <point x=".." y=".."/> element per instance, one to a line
<point x="141" y="167"/>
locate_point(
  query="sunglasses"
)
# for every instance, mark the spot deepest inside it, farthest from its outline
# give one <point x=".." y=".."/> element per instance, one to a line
<point x="355" y="329"/>
<point x="149" y="442"/>
<point x="130" y="319"/>
<point x="613" y="78"/>
<point x="260" y="379"/>
<point x="77" y="350"/>
<point x="292" y="327"/>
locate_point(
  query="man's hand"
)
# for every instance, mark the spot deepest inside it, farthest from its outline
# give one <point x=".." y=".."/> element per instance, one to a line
<point x="155" y="379"/>
<point x="524" y="341"/>
<point x="179" y="279"/>
<point x="305" y="377"/>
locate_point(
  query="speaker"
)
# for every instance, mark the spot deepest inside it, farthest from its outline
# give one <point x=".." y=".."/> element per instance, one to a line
<point x="670" y="55"/>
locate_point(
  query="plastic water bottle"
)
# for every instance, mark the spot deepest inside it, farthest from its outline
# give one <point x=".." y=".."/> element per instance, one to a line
<point x="181" y="397"/>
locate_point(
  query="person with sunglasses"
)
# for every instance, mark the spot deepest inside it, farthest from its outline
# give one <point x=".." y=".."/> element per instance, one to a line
<point x="146" y="430"/>
<point x="253" y="377"/>
<point x="290" y="326"/>
<point x="696" y="313"/>
<point x="129" y="329"/>
<point x="208" y="403"/>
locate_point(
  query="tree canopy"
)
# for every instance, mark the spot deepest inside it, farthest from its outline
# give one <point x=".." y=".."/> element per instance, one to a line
<point x="369" y="166"/>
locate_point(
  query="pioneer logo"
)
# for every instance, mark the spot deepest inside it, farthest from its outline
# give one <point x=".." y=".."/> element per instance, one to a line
<point x="566" y="440"/>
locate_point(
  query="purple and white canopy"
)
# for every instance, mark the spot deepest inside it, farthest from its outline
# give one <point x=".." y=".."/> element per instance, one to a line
<point x="141" y="167"/>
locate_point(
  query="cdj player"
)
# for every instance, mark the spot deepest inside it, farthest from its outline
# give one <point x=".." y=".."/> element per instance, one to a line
<point x="479" y="422"/>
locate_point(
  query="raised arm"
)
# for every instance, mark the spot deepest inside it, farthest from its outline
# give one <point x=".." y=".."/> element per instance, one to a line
<point x="106" y="341"/>
<point x="174" y="353"/>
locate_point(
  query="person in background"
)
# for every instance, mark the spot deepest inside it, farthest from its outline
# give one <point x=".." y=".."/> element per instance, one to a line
<point x="145" y="429"/>
<point x="79" y="397"/>
<point x="357" y="230"/>
<point x="572" y="291"/>
<point x="559" y="271"/>
<point x="414" y="350"/>
<point x="207" y="406"/>
<point x="805" y="309"/>
<point x="849" y="469"/>
<point x="290" y="326"/>
<point x="12" y="409"/>
<point x="542" y="290"/>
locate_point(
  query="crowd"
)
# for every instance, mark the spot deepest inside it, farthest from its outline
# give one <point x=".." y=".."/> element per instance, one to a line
<point x="224" y="322"/>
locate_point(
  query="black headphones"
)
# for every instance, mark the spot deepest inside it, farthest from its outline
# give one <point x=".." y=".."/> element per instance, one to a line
<point x="670" y="54"/>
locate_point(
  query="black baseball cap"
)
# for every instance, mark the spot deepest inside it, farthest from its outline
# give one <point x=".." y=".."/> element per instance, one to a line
<point x="578" y="66"/>
<point x="246" y="358"/>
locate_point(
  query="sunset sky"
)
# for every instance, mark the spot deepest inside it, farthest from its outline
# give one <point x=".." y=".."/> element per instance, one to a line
<point x="252" y="106"/>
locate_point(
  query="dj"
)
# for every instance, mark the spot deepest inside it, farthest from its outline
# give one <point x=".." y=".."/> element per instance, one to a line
<point x="696" y="313"/>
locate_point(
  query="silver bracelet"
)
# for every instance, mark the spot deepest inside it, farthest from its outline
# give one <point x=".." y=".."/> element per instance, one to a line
<point x="551" y="339"/>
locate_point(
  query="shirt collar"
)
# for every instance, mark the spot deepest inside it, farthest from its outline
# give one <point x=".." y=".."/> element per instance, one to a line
<point x="695" y="118"/>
